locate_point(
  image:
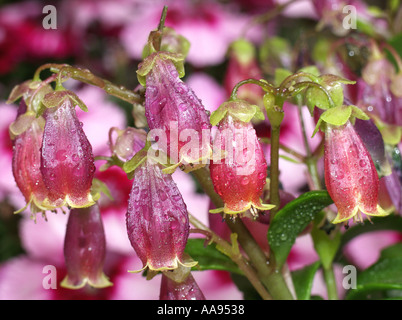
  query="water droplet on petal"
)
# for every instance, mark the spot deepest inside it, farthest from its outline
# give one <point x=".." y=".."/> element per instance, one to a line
<point x="245" y="181"/>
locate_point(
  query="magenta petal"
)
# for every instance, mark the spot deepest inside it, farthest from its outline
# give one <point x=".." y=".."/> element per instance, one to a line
<point x="240" y="177"/>
<point x="172" y="106"/>
<point x="157" y="218"/>
<point x="186" y="290"/>
<point x="85" y="249"/>
<point x="350" y="175"/>
<point x="67" y="160"/>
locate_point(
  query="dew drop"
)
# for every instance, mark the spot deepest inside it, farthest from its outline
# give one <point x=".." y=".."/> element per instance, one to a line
<point x="162" y="195"/>
<point x="182" y="107"/>
<point x="362" y="163"/>
<point x="136" y="190"/>
<point x="245" y="181"/>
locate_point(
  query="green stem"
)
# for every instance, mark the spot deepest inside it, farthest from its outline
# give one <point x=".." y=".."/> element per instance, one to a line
<point x="330" y="281"/>
<point x="311" y="162"/>
<point x="85" y="76"/>
<point x="274" y="170"/>
<point x="268" y="275"/>
<point x="248" y="271"/>
<point x="264" y="85"/>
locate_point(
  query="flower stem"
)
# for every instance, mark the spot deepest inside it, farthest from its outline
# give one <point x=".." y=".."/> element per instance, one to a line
<point x="330" y="281"/>
<point x="268" y="275"/>
<point x="243" y="265"/>
<point x="86" y="76"/>
<point x="274" y="170"/>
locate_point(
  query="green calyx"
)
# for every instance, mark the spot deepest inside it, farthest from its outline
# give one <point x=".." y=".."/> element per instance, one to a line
<point x="167" y="40"/>
<point x="238" y="109"/>
<point x="55" y="98"/>
<point x="339" y="115"/>
<point x="149" y="62"/>
<point x="327" y="94"/>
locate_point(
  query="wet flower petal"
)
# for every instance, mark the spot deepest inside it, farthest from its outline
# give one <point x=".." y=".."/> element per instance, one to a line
<point x="157" y="218"/>
<point x="85" y="249"/>
<point x="350" y="174"/>
<point x="67" y="160"/>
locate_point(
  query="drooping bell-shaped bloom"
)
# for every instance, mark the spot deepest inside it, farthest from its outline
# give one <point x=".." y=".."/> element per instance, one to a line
<point x="350" y="174"/>
<point x="67" y="161"/>
<point x="175" y="115"/>
<point x="127" y="143"/>
<point x="240" y="175"/>
<point x="380" y="96"/>
<point x="157" y="218"/>
<point x="28" y="132"/>
<point x="179" y="288"/>
<point x="85" y="249"/>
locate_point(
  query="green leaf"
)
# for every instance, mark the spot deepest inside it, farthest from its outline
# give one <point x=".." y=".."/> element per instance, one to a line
<point x="394" y="251"/>
<point x="209" y="258"/>
<point x="303" y="280"/>
<point x="383" y="276"/>
<point x="292" y="219"/>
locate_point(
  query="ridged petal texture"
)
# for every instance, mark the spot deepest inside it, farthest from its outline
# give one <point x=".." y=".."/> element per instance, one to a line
<point x="85" y="249"/>
<point x="26" y="166"/>
<point x="350" y="175"/>
<point x="157" y="218"/>
<point x="239" y="178"/>
<point x="67" y="159"/>
<point x="172" y="106"/>
<point x="186" y="290"/>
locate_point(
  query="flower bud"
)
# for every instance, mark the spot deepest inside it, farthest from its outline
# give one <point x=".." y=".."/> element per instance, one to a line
<point x="157" y="218"/>
<point x="179" y="287"/>
<point x="128" y="142"/>
<point x="67" y="161"/>
<point x="173" y="107"/>
<point x="350" y="174"/>
<point x="239" y="178"/>
<point x="26" y="160"/>
<point x="85" y="249"/>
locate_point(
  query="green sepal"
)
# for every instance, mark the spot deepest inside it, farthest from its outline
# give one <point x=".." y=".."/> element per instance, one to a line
<point x="56" y="98"/>
<point x="337" y="116"/>
<point x="21" y="124"/>
<point x="148" y="63"/>
<point x="99" y="186"/>
<point x="315" y="97"/>
<point x="238" y="109"/>
<point x="359" y="113"/>
<point x="137" y="159"/>
<point x="20" y="89"/>
<point x="169" y="40"/>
